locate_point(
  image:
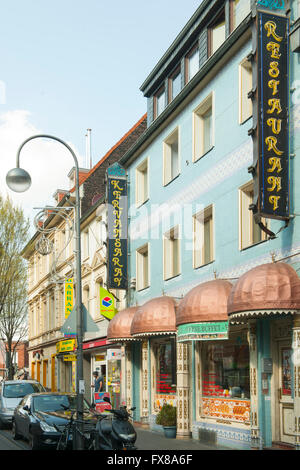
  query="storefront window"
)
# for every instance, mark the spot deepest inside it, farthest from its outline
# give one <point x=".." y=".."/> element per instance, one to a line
<point x="226" y="370"/>
<point x="286" y="360"/>
<point x="166" y="368"/>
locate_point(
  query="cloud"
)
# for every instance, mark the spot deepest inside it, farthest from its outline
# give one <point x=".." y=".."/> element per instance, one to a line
<point x="48" y="162"/>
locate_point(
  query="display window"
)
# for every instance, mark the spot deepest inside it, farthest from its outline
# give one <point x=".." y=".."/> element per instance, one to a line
<point x="226" y="370"/>
<point x="226" y="380"/>
<point x="166" y="368"/>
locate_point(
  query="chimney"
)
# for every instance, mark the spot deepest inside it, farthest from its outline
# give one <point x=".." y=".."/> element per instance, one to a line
<point x="88" y="154"/>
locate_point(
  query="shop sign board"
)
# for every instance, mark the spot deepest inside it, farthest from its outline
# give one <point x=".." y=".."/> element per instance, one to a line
<point x="114" y="354"/>
<point x="272" y="169"/>
<point x="66" y="345"/>
<point x="70" y="357"/>
<point x="202" y="331"/>
<point x="69" y="296"/>
<point x="107" y="304"/>
<point x="117" y="227"/>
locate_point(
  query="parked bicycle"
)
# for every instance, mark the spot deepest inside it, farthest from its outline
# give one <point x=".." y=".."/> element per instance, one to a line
<point x="71" y="431"/>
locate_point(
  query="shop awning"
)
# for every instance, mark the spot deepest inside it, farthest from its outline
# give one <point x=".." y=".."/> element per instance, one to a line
<point x="119" y="327"/>
<point x="202" y="313"/>
<point x="268" y="289"/>
<point x="155" y="317"/>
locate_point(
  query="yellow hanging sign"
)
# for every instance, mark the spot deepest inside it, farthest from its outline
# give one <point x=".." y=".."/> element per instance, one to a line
<point x="69" y="296"/>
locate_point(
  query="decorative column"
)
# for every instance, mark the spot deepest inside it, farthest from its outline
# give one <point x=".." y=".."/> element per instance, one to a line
<point x="296" y="363"/>
<point x="144" y="383"/>
<point x="128" y="372"/>
<point x="255" y="431"/>
<point x="183" y="422"/>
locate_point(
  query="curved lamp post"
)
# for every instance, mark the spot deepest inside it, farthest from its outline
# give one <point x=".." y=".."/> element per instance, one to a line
<point x="19" y="180"/>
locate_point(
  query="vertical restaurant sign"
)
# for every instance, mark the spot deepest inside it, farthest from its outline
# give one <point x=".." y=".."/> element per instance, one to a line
<point x="273" y="119"/>
<point x="117" y="227"/>
<point x="69" y="296"/>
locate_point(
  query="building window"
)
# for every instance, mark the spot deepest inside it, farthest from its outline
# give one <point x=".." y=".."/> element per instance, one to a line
<point x="174" y="84"/>
<point x="86" y="248"/>
<point x="216" y="33"/>
<point x="203" y="231"/>
<point x="159" y="102"/>
<point x="245" y="85"/>
<point x="171" y="253"/>
<point x="226" y="370"/>
<point x="165" y="354"/>
<point x="250" y="232"/>
<point x="192" y="63"/>
<point x="171" y="157"/>
<point x="203" y="128"/>
<point x="239" y="9"/>
<point x="142" y="194"/>
<point x="142" y="267"/>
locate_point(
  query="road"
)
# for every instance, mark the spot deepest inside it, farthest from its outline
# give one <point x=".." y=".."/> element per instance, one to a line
<point x="7" y="442"/>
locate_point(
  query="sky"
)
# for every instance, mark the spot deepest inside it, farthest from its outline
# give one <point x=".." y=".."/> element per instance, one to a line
<point x="70" y="65"/>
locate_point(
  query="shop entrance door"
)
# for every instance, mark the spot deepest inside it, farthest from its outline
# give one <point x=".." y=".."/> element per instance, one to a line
<point x="286" y="404"/>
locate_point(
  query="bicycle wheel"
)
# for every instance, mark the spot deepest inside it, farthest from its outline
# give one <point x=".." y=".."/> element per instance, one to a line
<point x="63" y="441"/>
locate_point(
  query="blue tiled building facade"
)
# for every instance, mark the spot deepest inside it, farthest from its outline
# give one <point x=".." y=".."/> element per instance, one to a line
<point x="190" y="226"/>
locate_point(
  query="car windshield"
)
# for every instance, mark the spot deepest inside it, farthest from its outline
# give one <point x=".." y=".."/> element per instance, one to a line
<point x="54" y="402"/>
<point x="21" y="390"/>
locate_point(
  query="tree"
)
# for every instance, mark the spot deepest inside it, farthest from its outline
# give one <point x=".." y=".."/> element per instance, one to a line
<point x="14" y="233"/>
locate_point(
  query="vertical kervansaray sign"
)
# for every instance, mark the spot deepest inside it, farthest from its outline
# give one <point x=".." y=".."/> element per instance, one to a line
<point x="117" y="227"/>
<point x="273" y="115"/>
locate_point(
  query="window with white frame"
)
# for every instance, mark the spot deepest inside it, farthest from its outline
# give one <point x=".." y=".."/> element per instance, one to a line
<point x="171" y="247"/>
<point x="245" y="85"/>
<point x="142" y="194"/>
<point x="203" y="235"/>
<point x="250" y="232"/>
<point x="203" y="128"/>
<point x="171" y="157"/>
<point x="142" y="267"/>
<point x="86" y="247"/>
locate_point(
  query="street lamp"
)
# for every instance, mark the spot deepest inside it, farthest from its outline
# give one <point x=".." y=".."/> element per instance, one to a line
<point x="19" y="180"/>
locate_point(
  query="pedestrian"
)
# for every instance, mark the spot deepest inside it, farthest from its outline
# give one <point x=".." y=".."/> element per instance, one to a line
<point x="98" y="382"/>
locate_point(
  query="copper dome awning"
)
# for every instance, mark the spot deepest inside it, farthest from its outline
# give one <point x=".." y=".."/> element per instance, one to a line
<point x="119" y="327"/>
<point x="268" y="289"/>
<point x="206" y="302"/>
<point x="155" y="317"/>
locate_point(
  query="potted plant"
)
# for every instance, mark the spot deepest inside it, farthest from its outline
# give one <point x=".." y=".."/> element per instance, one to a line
<point x="167" y="418"/>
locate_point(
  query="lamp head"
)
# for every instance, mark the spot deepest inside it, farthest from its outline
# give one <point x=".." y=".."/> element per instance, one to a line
<point x="18" y="180"/>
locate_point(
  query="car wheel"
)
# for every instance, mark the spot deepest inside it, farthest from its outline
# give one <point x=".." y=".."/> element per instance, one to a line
<point x="15" y="433"/>
<point x="34" y="442"/>
<point x="2" y="426"/>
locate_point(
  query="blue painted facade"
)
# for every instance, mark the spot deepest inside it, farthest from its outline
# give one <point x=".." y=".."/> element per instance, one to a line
<point x="214" y="180"/>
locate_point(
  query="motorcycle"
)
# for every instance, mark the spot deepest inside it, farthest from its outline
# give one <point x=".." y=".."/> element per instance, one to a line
<point x="114" y="431"/>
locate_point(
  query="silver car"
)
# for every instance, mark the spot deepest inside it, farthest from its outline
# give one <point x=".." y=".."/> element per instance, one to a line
<point x="11" y="393"/>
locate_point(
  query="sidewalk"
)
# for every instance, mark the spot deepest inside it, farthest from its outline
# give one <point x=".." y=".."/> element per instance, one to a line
<point x="151" y="440"/>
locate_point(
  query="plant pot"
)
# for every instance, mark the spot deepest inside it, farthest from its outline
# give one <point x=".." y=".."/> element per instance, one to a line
<point x="170" y="431"/>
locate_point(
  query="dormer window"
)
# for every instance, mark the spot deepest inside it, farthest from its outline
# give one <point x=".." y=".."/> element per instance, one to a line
<point x="159" y="102"/>
<point x="216" y="33"/>
<point x="192" y="63"/>
<point x="174" y="84"/>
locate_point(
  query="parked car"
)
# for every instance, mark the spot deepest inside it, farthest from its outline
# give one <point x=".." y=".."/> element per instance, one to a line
<point x="11" y="393"/>
<point x="41" y="417"/>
